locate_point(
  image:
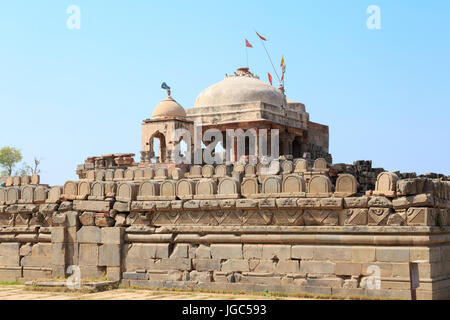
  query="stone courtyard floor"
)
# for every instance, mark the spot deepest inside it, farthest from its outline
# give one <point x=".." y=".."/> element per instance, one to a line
<point x="22" y="292"/>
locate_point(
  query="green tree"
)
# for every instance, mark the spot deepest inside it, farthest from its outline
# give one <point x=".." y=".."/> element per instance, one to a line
<point x="9" y="157"/>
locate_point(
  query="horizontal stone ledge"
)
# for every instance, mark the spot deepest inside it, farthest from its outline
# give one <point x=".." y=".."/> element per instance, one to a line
<point x="385" y="230"/>
<point x="25" y="237"/>
<point x="318" y="239"/>
<point x="148" y="238"/>
<point x="24" y="229"/>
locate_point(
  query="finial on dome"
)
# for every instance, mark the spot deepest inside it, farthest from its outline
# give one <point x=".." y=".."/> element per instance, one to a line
<point x="245" y="72"/>
<point x="164" y="86"/>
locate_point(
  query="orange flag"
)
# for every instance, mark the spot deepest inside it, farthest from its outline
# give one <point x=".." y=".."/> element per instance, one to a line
<point x="270" y="78"/>
<point x="248" y="44"/>
<point x="261" y="37"/>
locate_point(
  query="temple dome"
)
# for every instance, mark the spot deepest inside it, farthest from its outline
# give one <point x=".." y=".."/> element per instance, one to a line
<point x="242" y="87"/>
<point x="168" y="108"/>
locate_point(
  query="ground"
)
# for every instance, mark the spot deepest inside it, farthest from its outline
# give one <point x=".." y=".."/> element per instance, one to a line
<point x="22" y="292"/>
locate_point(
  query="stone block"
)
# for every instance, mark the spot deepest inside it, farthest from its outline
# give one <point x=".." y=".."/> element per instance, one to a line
<point x="236" y="265"/>
<point x="89" y="234"/>
<point x="226" y="251"/>
<point x="147" y="250"/>
<point x="420" y="200"/>
<point x="262" y="266"/>
<point x="95" y="206"/>
<point x="356" y="202"/>
<point x="87" y="218"/>
<point x="200" y="276"/>
<point x="180" y="250"/>
<point x="378" y="216"/>
<point x="287" y="266"/>
<point x="348" y="269"/>
<point x="421" y="216"/>
<point x="112" y="235"/>
<point x="334" y="253"/>
<point x="363" y="254"/>
<point x="109" y="255"/>
<point x="58" y="234"/>
<point x="88" y="254"/>
<point x="430" y="254"/>
<point x="392" y="254"/>
<point x="380" y="202"/>
<point x="252" y="251"/>
<point x="302" y="252"/>
<point x="92" y="272"/>
<point x="58" y="254"/>
<point x="356" y="217"/>
<point x="317" y="267"/>
<point x="113" y="273"/>
<point x="172" y="264"/>
<point x="203" y="251"/>
<point x="273" y="251"/>
<point x="206" y="264"/>
<point x="321" y="217"/>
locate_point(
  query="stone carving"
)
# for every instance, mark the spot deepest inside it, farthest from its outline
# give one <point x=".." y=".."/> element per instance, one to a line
<point x="208" y="171"/>
<point x="168" y="190"/>
<point x="9" y="181"/>
<point x="177" y="173"/>
<point x="321" y="217"/>
<point x="250" y="170"/>
<point x="100" y="175"/>
<point x="12" y="195"/>
<point x="97" y="191"/>
<point x="109" y="175"/>
<point x="90" y="175"/>
<point x="421" y="216"/>
<point x="249" y="187"/>
<point x="378" y="216"/>
<point x="126" y="191"/>
<point x="149" y="173"/>
<point x="27" y="194"/>
<point x="293" y="185"/>
<point x="185" y="189"/>
<point x="129" y="174"/>
<point x="195" y="171"/>
<point x="55" y="195"/>
<point x="238" y="167"/>
<point x="205" y="189"/>
<point x="161" y="173"/>
<point x="287" y="167"/>
<point x="228" y="188"/>
<point x="2" y="196"/>
<point x="356" y="217"/>
<point x="17" y="181"/>
<point x="70" y="190"/>
<point x="35" y="179"/>
<point x="271" y="185"/>
<point x="139" y="174"/>
<point x="119" y="175"/>
<point x="84" y="190"/>
<point x="110" y="189"/>
<point x="386" y="184"/>
<point x="320" y="164"/>
<point x="148" y="190"/>
<point x="346" y="186"/>
<point x="319" y="187"/>
<point x="25" y="179"/>
<point x="222" y="171"/>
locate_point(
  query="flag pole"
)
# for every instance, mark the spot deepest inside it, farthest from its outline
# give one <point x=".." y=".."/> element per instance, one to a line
<point x="270" y="59"/>
<point x="246" y="53"/>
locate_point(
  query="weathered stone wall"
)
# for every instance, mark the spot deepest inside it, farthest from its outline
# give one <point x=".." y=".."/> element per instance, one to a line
<point x="231" y="228"/>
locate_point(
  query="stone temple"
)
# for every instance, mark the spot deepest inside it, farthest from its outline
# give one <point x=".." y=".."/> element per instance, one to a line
<point x="297" y="224"/>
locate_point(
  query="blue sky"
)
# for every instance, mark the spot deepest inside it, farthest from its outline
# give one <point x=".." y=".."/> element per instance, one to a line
<point x="69" y="94"/>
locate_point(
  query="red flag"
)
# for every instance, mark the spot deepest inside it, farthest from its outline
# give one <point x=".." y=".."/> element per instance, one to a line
<point x="282" y="77"/>
<point x="261" y="37"/>
<point x="270" y="78"/>
<point x="282" y="62"/>
<point x="248" y="44"/>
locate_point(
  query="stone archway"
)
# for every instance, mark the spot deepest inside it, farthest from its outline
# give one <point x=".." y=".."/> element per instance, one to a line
<point x="158" y="152"/>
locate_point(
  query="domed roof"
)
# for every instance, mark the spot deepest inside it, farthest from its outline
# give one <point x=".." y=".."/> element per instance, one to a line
<point x="243" y="87"/>
<point x="168" y="108"/>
